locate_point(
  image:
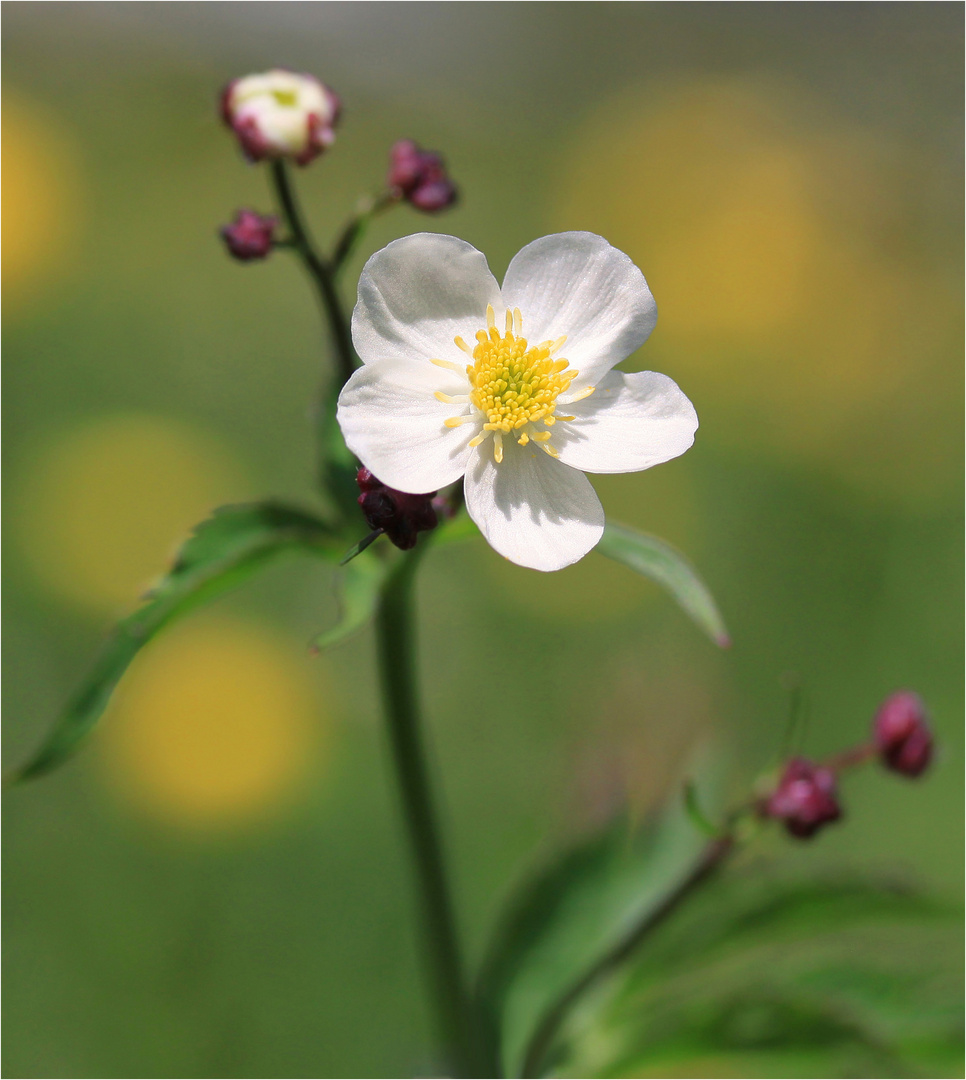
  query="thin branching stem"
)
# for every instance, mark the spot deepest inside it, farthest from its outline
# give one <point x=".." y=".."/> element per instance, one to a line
<point x="320" y="271"/>
<point x="356" y="227"/>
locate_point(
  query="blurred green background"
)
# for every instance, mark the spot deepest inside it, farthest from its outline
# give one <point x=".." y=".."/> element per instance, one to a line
<point x="218" y="885"/>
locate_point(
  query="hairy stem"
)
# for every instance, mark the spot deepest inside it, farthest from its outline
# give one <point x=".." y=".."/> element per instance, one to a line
<point x="320" y="271"/>
<point x="706" y="864"/>
<point x="397" y="660"/>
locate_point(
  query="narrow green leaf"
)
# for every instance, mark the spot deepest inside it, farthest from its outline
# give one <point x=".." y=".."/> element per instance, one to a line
<point x="337" y="467"/>
<point x="659" y="561"/>
<point x="359" y="586"/>
<point x="578" y="910"/>
<point x="360" y="546"/>
<point x="221" y="553"/>
<point x="755" y="977"/>
<point x="693" y="807"/>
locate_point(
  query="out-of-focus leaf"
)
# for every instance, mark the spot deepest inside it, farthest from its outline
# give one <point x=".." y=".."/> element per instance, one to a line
<point x="826" y="979"/>
<point x="337" y="466"/>
<point x="359" y="585"/>
<point x="461" y="527"/>
<point x="659" y="561"/>
<point x="221" y="553"/>
<point x="574" y="913"/>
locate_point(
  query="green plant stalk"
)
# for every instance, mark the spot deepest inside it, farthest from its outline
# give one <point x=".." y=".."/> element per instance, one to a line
<point x="705" y="866"/>
<point x="355" y="229"/>
<point x="397" y="663"/>
<point x="320" y="271"/>
<point x="397" y="659"/>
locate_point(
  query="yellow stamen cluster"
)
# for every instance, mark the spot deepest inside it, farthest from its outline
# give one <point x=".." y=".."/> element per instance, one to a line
<point x="512" y="385"/>
<point x="515" y="384"/>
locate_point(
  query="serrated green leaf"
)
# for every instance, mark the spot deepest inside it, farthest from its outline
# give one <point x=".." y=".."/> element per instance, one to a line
<point x="221" y="553"/>
<point x="659" y="561"/>
<point x="359" y="586"/>
<point x="575" y="912"/>
<point x="824" y="979"/>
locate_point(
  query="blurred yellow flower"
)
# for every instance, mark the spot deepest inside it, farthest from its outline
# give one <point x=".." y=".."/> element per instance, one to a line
<point x="103" y="507"/>
<point x="42" y="204"/>
<point x="215" y="725"/>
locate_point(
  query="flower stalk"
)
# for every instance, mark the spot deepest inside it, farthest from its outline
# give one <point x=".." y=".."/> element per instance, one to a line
<point x="320" y="271"/>
<point x="395" y="632"/>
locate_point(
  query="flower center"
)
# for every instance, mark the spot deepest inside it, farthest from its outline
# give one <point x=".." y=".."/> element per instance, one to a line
<point x="512" y="383"/>
<point x="288" y="99"/>
<point x="515" y="384"/>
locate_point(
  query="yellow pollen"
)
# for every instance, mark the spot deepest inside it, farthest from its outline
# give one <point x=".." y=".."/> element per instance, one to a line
<point x="455" y="421"/>
<point x="512" y="383"/>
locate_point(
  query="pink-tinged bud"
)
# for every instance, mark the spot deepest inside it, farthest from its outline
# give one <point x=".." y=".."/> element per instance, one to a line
<point x="805" y="798"/>
<point x="250" y="235"/>
<point x="902" y="735"/>
<point x="420" y="177"/>
<point x="400" y="516"/>
<point x="280" y="114"/>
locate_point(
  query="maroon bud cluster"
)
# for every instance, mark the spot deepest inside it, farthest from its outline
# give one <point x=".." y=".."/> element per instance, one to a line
<point x="902" y="735"/>
<point x="805" y="798"/>
<point x="400" y="516"/>
<point x="420" y="177"/>
<point x="250" y="236"/>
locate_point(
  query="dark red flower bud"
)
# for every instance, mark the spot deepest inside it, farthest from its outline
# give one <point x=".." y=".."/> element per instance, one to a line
<point x="420" y="177"/>
<point x="400" y="516"/>
<point x="805" y="798"/>
<point x="249" y="236"/>
<point x="902" y="735"/>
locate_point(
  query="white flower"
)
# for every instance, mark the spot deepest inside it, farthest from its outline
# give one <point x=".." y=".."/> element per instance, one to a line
<point x="450" y="387"/>
<point x="281" y="114"/>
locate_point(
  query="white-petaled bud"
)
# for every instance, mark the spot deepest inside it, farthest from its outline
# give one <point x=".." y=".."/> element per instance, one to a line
<point x="280" y="114"/>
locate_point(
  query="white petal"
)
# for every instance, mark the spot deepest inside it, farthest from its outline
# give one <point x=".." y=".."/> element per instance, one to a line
<point x="393" y="424"/>
<point x="576" y="284"/>
<point x="532" y="509"/>
<point x="419" y="293"/>
<point x="630" y="422"/>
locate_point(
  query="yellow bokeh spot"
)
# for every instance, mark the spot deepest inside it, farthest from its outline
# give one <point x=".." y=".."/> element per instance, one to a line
<point x="42" y="205"/>
<point x="796" y="308"/>
<point x="102" y="508"/>
<point x="216" y="724"/>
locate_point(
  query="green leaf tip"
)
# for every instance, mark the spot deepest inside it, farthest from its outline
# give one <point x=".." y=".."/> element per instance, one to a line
<point x="656" y="559"/>
<point x="222" y="552"/>
<point x="361" y="546"/>
<point x="359" y="587"/>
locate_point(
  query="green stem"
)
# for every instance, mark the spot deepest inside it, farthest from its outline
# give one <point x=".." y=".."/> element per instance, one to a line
<point x="705" y="866"/>
<point x="356" y="227"/>
<point x="321" y="272"/>
<point x="397" y="661"/>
